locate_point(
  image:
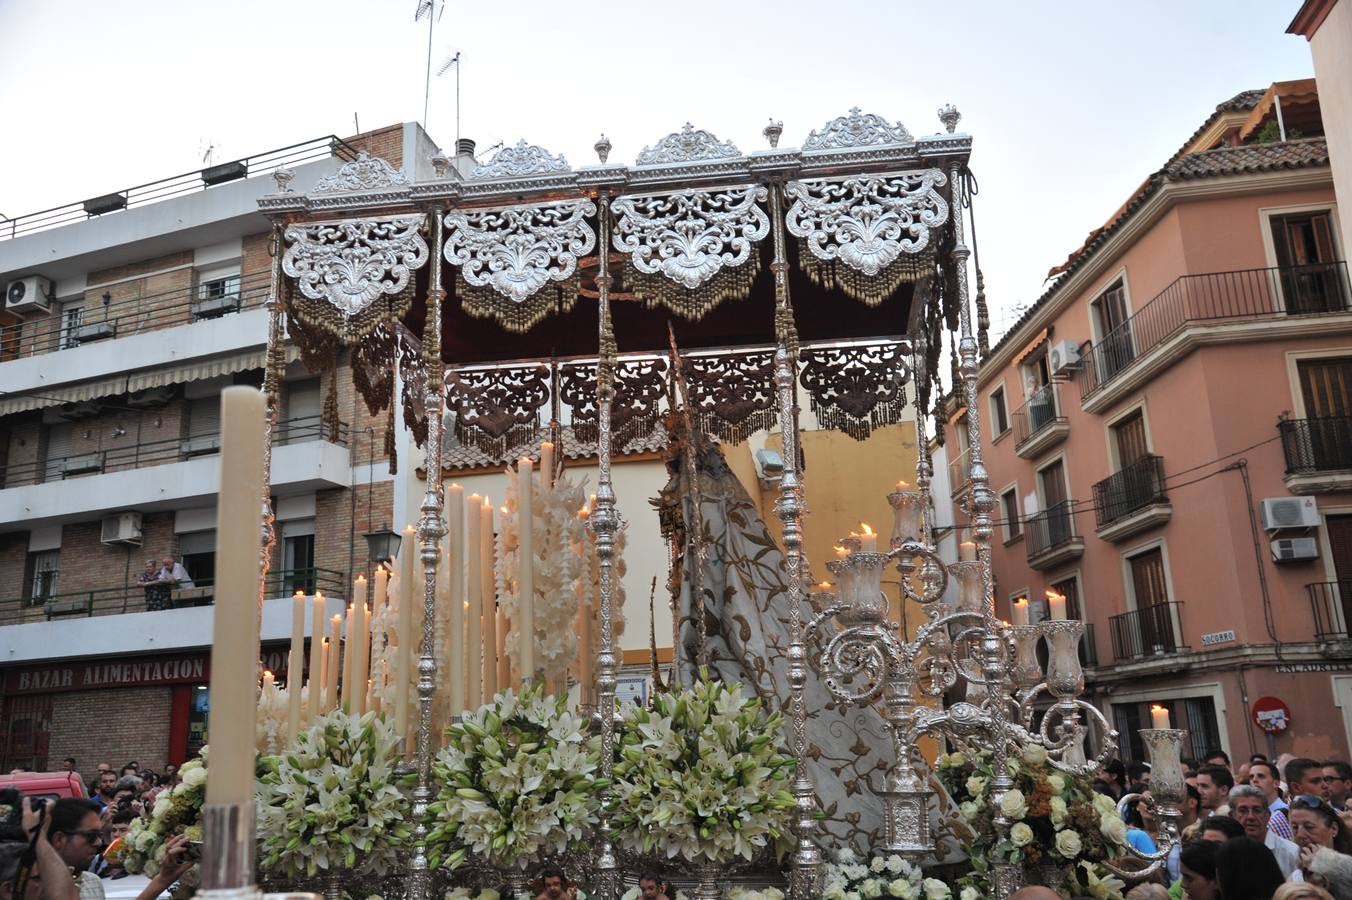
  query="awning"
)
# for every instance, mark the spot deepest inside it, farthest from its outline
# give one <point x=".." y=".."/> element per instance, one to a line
<point x="195" y="370"/>
<point x="1031" y="346"/>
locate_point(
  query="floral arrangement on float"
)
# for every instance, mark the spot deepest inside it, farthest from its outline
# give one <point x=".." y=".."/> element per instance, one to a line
<point x="517" y="782"/>
<point x="1062" y="829"/>
<point x="177" y="811"/>
<point x="334" y="801"/>
<point x="702" y="776"/>
<point x="849" y="878"/>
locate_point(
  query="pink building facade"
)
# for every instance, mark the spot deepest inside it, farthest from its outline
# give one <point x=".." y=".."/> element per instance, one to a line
<point x="1168" y="431"/>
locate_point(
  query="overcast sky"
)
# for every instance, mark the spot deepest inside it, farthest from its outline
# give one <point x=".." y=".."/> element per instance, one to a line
<point x="1071" y="104"/>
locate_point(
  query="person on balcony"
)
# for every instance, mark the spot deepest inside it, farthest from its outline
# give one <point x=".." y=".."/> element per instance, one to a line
<point x="157" y="592"/>
<point x="174" y="575"/>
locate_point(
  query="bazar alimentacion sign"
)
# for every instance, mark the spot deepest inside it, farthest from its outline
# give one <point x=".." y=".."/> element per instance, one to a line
<point x="194" y="668"/>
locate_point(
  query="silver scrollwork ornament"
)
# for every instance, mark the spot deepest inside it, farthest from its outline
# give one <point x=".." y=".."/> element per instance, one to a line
<point x="349" y="264"/>
<point x="364" y="173"/>
<point x="687" y="145"/>
<point x="857" y="129"/>
<point x="689" y="237"/>
<point x="518" y="250"/>
<point x="520" y="161"/>
<point x="867" y="222"/>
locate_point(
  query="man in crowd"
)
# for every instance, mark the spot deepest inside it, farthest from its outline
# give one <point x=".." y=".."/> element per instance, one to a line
<point x="652" y="887"/>
<point x="1217" y="757"/>
<point x="1338" y="777"/>
<point x="1189" y="812"/>
<point x="68" y="764"/>
<point x="77" y="836"/>
<point x="48" y="877"/>
<point x="1220" y="829"/>
<point x="1249" y="806"/>
<point x="1138" y="772"/>
<point x="1306" y="776"/>
<point x="1213" y="786"/>
<point x="107" y="789"/>
<point x="1263" y="775"/>
<point x="173" y="572"/>
<point x="554" y="885"/>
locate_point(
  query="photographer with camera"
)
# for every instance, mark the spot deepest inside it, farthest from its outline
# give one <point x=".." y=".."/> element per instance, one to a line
<point x="77" y="836"/>
<point x="30" y="867"/>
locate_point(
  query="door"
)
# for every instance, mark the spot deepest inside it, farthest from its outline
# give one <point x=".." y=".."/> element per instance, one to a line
<point x="24" y="732"/>
<point x="59" y="439"/>
<point x="1056" y="515"/>
<point x="302" y="412"/>
<point x="1156" y="627"/>
<point x="1326" y="388"/>
<point x="1115" y="347"/>
<point x="1306" y="259"/>
<point x="1339" y="531"/>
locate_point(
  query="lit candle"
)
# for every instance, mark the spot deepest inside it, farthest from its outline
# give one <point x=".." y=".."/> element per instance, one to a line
<point x="841" y="552"/>
<point x="527" y="575"/>
<point x="1159" y="717"/>
<point x="547" y="463"/>
<point x="456" y="578"/>
<point x="268" y="680"/>
<point x="967" y="551"/>
<point x="473" y="608"/>
<point x="349" y="652"/>
<point x="903" y="486"/>
<point x="1020" y="611"/>
<point x="334" y="651"/>
<point x="403" y="663"/>
<point x="236" y="613"/>
<point x="868" y="541"/>
<point x="488" y="610"/>
<point x="319" y="678"/>
<point x="380" y="592"/>
<point x="316" y="679"/>
<point x="1056" y="605"/>
<point x="361" y="659"/>
<point x="295" y="666"/>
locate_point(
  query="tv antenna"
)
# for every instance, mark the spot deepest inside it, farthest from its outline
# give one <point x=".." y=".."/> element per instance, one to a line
<point x="432" y="9"/>
<point x="453" y="60"/>
<point x="209" y="149"/>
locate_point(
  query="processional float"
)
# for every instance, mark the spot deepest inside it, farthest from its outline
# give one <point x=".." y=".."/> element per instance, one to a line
<point x="866" y="243"/>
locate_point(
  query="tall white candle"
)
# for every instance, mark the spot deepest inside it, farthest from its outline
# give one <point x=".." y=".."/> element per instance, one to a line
<point x="236" y="614"/>
<point x="316" y="679"/>
<point x="269" y="680"/>
<point x="967" y="551"/>
<point x="295" y="666"/>
<point x="546" y="463"/>
<point x="404" y="596"/>
<point x="489" y="604"/>
<point x="474" y="604"/>
<point x="331" y="664"/>
<point x="349" y="656"/>
<point x="1056" y="605"/>
<point x="361" y="659"/>
<point x="319" y="678"/>
<point x="868" y="541"/>
<point x="526" y="598"/>
<point x="1020" y="611"/>
<point x="456" y="655"/>
<point x="1159" y="717"/>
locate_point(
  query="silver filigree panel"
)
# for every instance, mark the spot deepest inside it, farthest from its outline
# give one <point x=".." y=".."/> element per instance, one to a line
<point x="689" y="237"/>
<point x="687" y="145"/>
<point x="351" y="263"/>
<point x="857" y="130"/>
<point x="517" y="250"/>
<point x="867" y="222"/>
<point x="520" y="161"/>
<point x="364" y="173"/>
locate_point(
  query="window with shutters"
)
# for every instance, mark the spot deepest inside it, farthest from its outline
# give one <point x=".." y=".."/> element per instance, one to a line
<point x="44" y="568"/>
<point x="1154" y="619"/>
<point x="59" y="438"/>
<point x="72" y="317"/>
<point x="1310" y="277"/>
<point x="1009" y="513"/>
<point x="999" y="412"/>
<point x="1326" y="432"/>
<point x="204" y="426"/>
<point x="1115" y="349"/>
<point x="1129" y="439"/>
<point x="298" y="555"/>
<point x="301" y="413"/>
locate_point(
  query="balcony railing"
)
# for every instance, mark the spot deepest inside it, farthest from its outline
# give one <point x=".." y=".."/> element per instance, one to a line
<point x="1042" y="410"/>
<point x="1131" y="489"/>
<point x="155" y="453"/>
<point x="1217" y="296"/>
<point x="187" y="183"/>
<point x="130" y="598"/>
<point x="1052" y="528"/>
<point x="138" y="315"/>
<point x="1331" y="605"/>
<point x="1316" y="445"/>
<point x="959" y="471"/>
<point x="1154" y="630"/>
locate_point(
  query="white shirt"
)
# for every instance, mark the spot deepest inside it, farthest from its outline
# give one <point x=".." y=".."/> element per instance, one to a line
<point x="1286" y="852"/>
<point x="177" y="574"/>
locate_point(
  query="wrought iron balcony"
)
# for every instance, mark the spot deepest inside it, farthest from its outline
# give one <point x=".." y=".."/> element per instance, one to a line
<point x="1051" y="537"/>
<point x="1316" y="445"/>
<point x="1154" y="630"/>
<point x="1331" y="605"/>
<point x="1314" y="289"/>
<point x="1131" y="500"/>
<point x="1039" y="424"/>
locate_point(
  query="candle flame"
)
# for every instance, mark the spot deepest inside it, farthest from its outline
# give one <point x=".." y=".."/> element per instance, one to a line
<point x="1155" y="707"/>
<point x="504" y="510"/>
<point x="409" y="529"/>
<point x="474" y="498"/>
<point x="361" y="577"/>
<point x="1022" y="601"/>
<point x="825" y="585"/>
<point x="841" y="551"/>
<point x="299" y="594"/>
<point x="1053" y="595"/>
<point x="867" y="530"/>
<point x="319" y="595"/>
<point x="267" y="673"/>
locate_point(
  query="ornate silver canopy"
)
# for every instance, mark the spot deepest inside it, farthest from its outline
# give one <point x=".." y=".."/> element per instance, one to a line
<point x="689" y="237"/>
<point x="687" y="145"/>
<point x="521" y="161"/>
<point x="364" y="173"/>
<point x="857" y="130"/>
<point x="517" y="250"/>
<point x="349" y="264"/>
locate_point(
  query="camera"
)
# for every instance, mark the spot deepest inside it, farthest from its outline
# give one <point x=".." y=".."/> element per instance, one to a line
<point x="11" y="816"/>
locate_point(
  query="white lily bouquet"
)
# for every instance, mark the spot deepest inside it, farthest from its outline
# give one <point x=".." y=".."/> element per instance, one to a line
<point x="333" y="801"/>
<point x="176" y="811"/>
<point x="517" y="780"/>
<point x="882" y="876"/>
<point x="702" y="776"/>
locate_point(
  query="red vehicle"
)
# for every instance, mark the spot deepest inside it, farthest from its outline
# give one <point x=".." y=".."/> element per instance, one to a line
<point x="47" y="785"/>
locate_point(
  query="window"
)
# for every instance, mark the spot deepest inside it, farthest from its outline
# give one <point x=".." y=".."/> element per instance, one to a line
<point x="71" y="319"/>
<point x="1114" y="350"/>
<point x="204" y="426"/>
<point x="1307" y="262"/>
<point x="1129" y="439"/>
<point x="302" y="412"/>
<point x="43" y="566"/>
<point x="298" y="556"/>
<point x="217" y="294"/>
<point x="1009" y="509"/>
<point x="198" y="549"/>
<point x="1195" y="714"/>
<point x="1153" y="631"/>
<point x="1070" y="589"/>
<point x="59" y="438"/>
<point x="999" y="412"/>
<point x="1055" y="523"/>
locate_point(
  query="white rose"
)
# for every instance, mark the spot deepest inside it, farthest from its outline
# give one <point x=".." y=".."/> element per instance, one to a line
<point x="969" y="893"/>
<point x="1058" y="810"/>
<point x="161" y="807"/>
<point x="895" y="864"/>
<point x="1103" y="804"/>
<point x="900" y="887"/>
<point x="1068" y="843"/>
<point x="1034" y="755"/>
<point x="935" y="889"/>
<point x="969" y="810"/>
<point x="871" y="888"/>
<point x="1013" y="805"/>
<point x="1058" y="784"/>
<point x="976" y="784"/>
<point x="195" y="777"/>
<point x="876" y="864"/>
<point x="1113" y="828"/>
<point x="1021" y="834"/>
<point x="957" y="758"/>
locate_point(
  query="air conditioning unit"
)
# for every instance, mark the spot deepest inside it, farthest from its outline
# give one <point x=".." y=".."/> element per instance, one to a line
<point x="1064" y="356"/>
<point x="31" y="294"/>
<point x="1294" y="549"/>
<point x="1277" y="513"/>
<point x="122" y="528"/>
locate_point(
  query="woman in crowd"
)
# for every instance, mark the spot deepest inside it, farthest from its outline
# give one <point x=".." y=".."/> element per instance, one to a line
<point x="1325" y="844"/>
<point x="1198" y="863"/>
<point x="1246" y="870"/>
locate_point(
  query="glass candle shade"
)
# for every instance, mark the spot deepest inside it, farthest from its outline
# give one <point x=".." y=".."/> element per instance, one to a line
<point x="1163" y="747"/>
<point x="908" y="509"/>
<point x="1026" y="670"/>
<point x="867" y="601"/>
<point x="844" y="575"/>
<point x="1065" y="677"/>
<point x="971" y="597"/>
